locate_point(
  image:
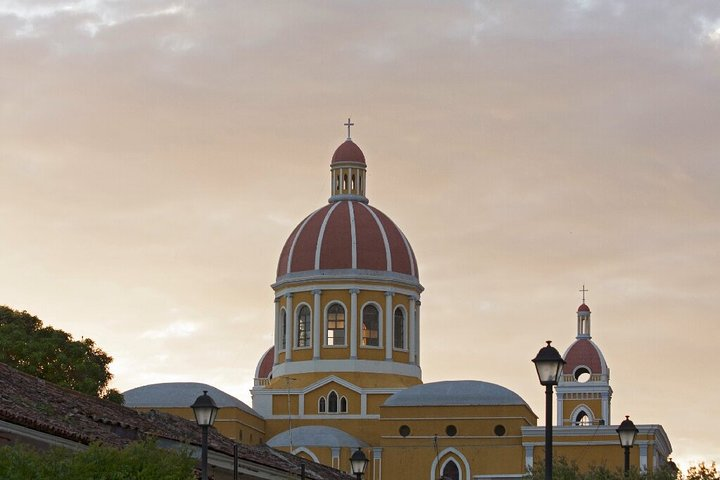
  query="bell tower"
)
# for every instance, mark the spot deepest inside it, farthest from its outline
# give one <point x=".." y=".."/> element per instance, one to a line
<point x="584" y="391"/>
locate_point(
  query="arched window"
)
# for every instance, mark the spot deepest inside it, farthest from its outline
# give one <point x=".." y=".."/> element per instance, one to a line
<point x="451" y="471"/>
<point x="345" y="183"/>
<point x="335" y="325"/>
<point x="583" y="419"/>
<point x="332" y="402"/>
<point x="303" y="327"/>
<point x="283" y="329"/>
<point x="321" y="405"/>
<point x="399" y="329"/>
<point x="352" y="183"/>
<point x="370" y="326"/>
<point x="343" y="405"/>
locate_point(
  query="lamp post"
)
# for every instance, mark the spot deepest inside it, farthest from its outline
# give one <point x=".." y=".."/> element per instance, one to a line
<point x="205" y="412"/>
<point x="358" y="463"/>
<point x="627" y="432"/>
<point x="548" y="364"/>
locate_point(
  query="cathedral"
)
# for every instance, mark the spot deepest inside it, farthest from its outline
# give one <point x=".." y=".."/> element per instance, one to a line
<point x="344" y="370"/>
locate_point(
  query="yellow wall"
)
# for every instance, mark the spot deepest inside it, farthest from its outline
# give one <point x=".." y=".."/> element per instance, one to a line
<point x="232" y="422"/>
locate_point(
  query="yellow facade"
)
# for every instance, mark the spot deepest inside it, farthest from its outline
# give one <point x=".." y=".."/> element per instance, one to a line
<point x="234" y="423"/>
<point x="344" y="371"/>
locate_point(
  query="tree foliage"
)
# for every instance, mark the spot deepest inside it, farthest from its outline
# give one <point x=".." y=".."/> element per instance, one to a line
<point x="53" y="355"/>
<point x="139" y="461"/>
<point x="703" y="472"/>
<point x="564" y="469"/>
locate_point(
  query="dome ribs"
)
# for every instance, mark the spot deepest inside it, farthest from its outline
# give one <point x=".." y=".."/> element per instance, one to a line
<point x="353" y="235"/>
<point x="334" y="245"/>
<point x="345" y="235"/>
<point x="373" y="250"/>
<point x="302" y="254"/>
<point x="402" y="258"/>
<point x="282" y="267"/>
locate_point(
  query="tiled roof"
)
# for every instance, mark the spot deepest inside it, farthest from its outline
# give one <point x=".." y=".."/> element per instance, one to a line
<point x="45" y="407"/>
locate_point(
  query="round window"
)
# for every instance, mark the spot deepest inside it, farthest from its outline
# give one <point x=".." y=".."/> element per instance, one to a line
<point x="451" y="430"/>
<point x="404" y="430"/>
<point x="499" y="430"/>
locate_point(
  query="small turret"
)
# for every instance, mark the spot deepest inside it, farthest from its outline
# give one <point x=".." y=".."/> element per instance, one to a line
<point x="584" y="391"/>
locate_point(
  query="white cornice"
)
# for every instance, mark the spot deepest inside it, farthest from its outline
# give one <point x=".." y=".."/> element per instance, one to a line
<point x="360" y="366"/>
<point x="306" y="287"/>
<point x="346" y="275"/>
<point x="661" y="442"/>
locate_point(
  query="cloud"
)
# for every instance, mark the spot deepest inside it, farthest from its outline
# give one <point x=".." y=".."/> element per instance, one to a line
<point x="709" y="30"/>
<point x="179" y="329"/>
<point x="35" y="18"/>
<point x="155" y="155"/>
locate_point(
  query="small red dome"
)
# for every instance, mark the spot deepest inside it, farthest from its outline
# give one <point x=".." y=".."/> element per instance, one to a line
<point x="348" y="152"/>
<point x="264" y="366"/>
<point x="583" y="308"/>
<point x="585" y="353"/>
<point x="347" y="235"/>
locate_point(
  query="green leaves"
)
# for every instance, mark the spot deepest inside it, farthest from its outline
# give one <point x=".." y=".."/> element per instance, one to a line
<point x="139" y="461"/>
<point x="703" y="472"/>
<point x="53" y="355"/>
<point x="569" y="470"/>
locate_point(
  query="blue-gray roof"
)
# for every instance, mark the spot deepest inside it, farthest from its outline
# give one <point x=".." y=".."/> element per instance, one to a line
<point x="458" y="392"/>
<point x="180" y="394"/>
<point x="315" y="436"/>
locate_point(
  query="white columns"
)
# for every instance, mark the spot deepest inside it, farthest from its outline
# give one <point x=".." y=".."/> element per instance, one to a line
<point x="417" y="332"/>
<point x="335" y="455"/>
<point x="559" y="420"/>
<point x="377" y="463"/>
<point x="529" y="459"/>
<point x="316" y="323"/>
<point x="353" y="322"/>
<point x="278" y="334"/>
<point x="411" y="332"/>
<point x="289" y="316"/>
<point x="388" y="325"/>
<point x="606" y="407"/>
<point x="643" y="457"/>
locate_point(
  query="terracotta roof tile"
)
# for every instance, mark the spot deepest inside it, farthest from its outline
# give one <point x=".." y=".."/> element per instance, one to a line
<point x="45" y="407"/>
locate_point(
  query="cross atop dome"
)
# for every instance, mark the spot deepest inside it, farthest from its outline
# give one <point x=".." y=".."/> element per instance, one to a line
<point x="349" y="124"/>
<point x="347" y="171"/>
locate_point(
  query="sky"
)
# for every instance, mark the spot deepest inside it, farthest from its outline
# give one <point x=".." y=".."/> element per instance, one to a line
<point x="155" y="155"/>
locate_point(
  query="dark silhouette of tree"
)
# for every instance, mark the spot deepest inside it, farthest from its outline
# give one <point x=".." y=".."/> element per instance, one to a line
<point x="703" y="472"/>
<point x="53" y="355"/>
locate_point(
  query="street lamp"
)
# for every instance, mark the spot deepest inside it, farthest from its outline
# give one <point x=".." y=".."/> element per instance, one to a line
<point x="548" y="364"/>
<point x="205" y="412"/>
<point x="627" y="432"/>
<point x="358" y="463"/>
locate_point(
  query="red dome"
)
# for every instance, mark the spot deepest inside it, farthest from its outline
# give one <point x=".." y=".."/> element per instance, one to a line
<point x="348" y="152"/>
<point x="584" y="353"/>
<point x="583" y="308"/>
<point x="264" y="366"/>
<point x="347" y="235"/>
